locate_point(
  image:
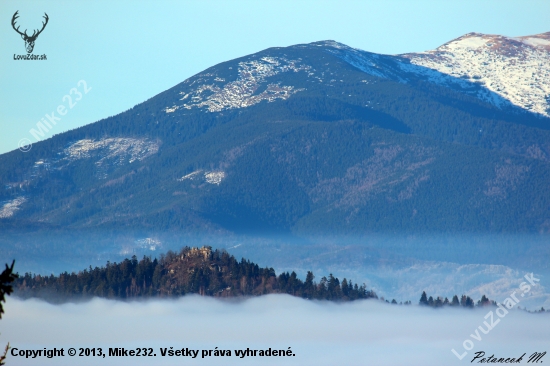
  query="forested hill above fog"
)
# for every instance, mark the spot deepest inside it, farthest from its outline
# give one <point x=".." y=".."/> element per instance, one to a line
<point x="311" y="138"/>
<point x="191" y="271"/>
<point x="202" y="271"/>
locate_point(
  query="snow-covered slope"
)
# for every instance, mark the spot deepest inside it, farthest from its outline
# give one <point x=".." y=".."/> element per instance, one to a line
<point x="216" y="95"/>
<point x="516" y="68"/>
<point x="503" y="71"/>
<point x="106" y="154"/>
<point x="7" y="209"/>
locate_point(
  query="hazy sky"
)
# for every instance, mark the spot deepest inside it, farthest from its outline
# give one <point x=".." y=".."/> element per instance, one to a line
<point x="129" y="51"/>
<point x="358" y="333"/>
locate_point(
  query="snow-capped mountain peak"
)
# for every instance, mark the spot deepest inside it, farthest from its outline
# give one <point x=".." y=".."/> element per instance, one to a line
<point x="515" y="68"/>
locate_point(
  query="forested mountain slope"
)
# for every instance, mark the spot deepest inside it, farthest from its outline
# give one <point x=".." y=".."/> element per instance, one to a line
<point x="309" y="138"/>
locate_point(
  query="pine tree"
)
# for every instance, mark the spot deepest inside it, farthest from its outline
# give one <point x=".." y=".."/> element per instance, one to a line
<point x="423" y="299"/>
<point x="333" y="287"/>
<point x="6" y="278"/>
<point x="455" y="301"/>
<point x="345" y="289"/>
<point x="484" y="301"/>
<point x="309" y="287"/>
<point x="466" y="301"/>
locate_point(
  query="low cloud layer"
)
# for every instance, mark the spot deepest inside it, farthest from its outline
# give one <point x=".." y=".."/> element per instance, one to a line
<point x="319" y="333"/>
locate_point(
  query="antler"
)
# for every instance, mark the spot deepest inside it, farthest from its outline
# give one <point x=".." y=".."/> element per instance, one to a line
<point x="15" y="16"/>
<point x="34" y="35"/>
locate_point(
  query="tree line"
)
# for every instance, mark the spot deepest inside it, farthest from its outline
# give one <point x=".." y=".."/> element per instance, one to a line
<point x="201" y="271"/>
<point x="464" y="301"/>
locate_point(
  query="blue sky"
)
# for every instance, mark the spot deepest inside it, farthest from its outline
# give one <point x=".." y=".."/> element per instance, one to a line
<point x="129" y="51"/>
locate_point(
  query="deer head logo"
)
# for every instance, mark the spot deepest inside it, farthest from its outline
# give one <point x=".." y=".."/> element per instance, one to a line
<point x="29" y="40"/>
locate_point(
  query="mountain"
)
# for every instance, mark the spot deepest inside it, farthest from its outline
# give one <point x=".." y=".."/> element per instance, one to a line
<point x="312" y="138"/>
<point x="516" y="69"/>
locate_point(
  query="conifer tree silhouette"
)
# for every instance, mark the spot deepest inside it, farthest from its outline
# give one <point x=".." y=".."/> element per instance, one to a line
<point x="6" y="278"/>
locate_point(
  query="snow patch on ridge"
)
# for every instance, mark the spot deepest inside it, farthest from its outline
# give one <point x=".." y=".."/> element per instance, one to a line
<point x="241" y="92"/>
<point x="367" y="62"/>
<point x="105" y="153"/>
<point x="190" y="176"/>
<point x="212" y="177"/>
<point x="472" y="42"/>
<point x="535" y="41"/>
<point x="117" y="149"/>
<point x="10" y="207"/>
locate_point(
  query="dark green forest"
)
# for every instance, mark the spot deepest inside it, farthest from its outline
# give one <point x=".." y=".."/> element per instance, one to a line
<point x="204" y="272"/>
<point x="201" y="271"/>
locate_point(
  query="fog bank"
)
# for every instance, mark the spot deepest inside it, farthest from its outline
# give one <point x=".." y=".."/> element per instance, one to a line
<point x="319" y="333"/>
